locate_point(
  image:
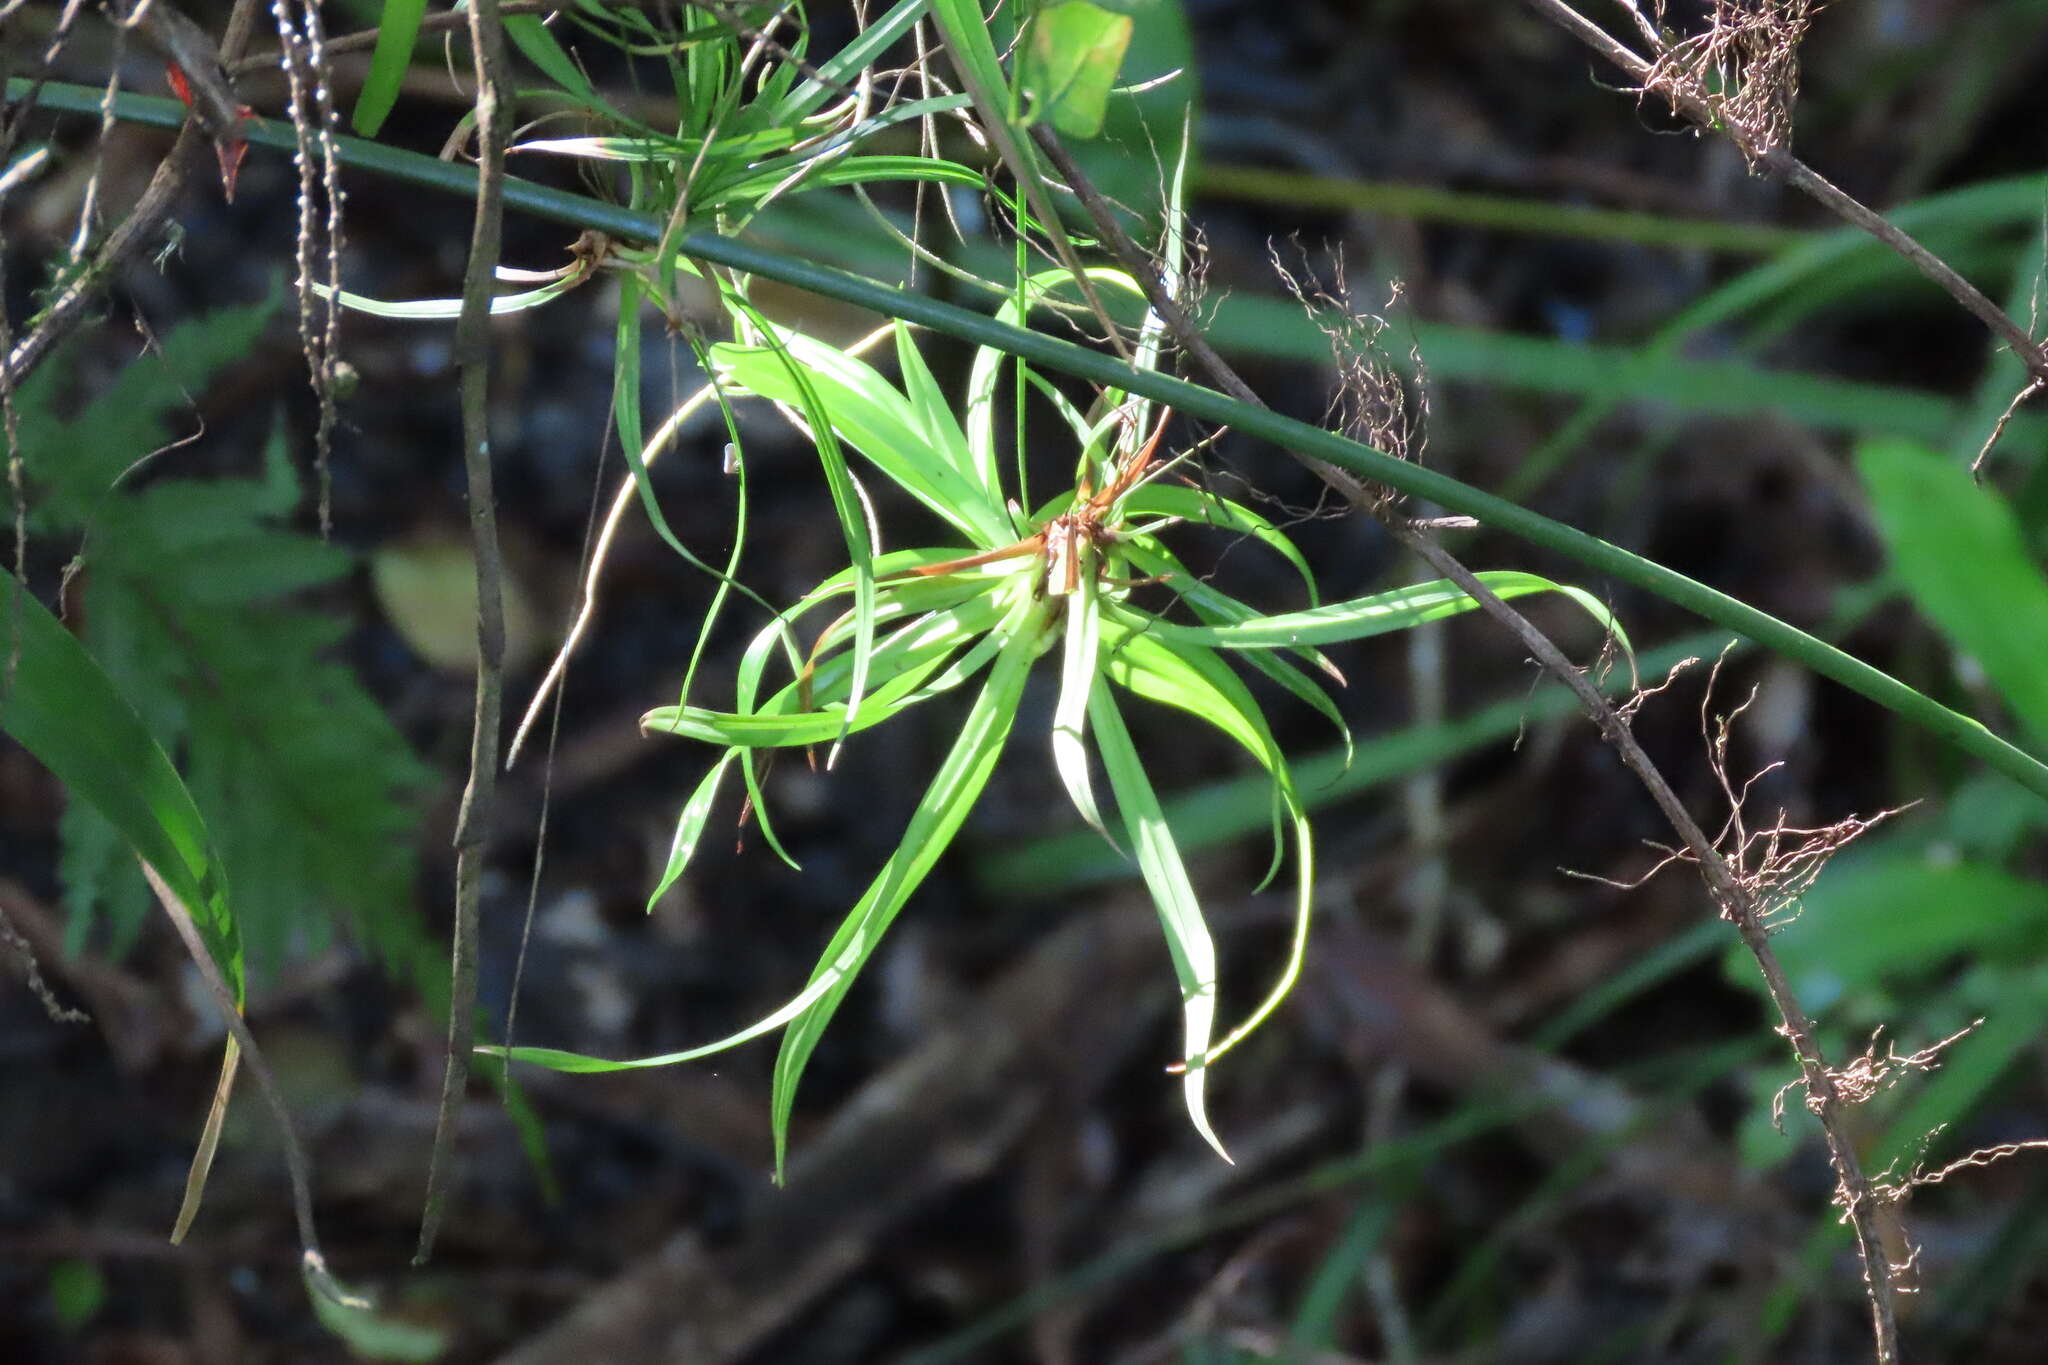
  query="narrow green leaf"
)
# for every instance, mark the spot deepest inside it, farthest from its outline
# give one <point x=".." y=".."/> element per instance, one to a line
<point x="876" y="420"/>
<point x="398" y="29"/>
<point x="444" y="310"/>
<point x="1198" y="682"/>
<point x="537" y="42"/>
<point x="1187" y="936"/>
<point x="1070" y="716"/>
<point x="690" y="827"/>
<point x="847" y="502"/>
<point x="2016" y="199"/>
<point x="1376" y="615"/>
<point x="946" y="802"/>
<point x="557" y="1060"/>
<point x="1217" y="607"/>
<point x="371" y="1335"/>
<point x="1204" y="508"/>
<point x="837" y="70"/>
<point x="933" y="415"/>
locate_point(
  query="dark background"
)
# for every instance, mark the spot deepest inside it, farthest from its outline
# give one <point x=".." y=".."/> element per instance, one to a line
<point x="989" y="1111"/>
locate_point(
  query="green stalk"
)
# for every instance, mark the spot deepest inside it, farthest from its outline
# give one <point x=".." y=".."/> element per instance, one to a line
<point x="1191" y="399"/>
<point x="1297" y="189"/>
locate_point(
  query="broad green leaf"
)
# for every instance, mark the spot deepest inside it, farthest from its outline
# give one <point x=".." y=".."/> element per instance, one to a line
<point x="946" y="802"/>
<point x="1890" y="914"/>
<point x="1071" y="62"/>
<point x="63" y="709"/>
<point x="1187" y="936"/>
<point x="398" y="28"/>
<point x="1958" y="549"/>
<point x="2014" y="1001"/>
<point x="60" y="705"/>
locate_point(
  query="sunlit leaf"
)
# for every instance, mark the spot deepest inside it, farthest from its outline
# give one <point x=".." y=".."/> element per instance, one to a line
<point x="1070" y="64"/>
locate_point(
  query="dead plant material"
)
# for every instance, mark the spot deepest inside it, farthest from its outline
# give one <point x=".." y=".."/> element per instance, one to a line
<point x="1744" y="67"/>
<point x="1773" y="866"/>
<point x="32" y="975"/>
<point x="1373" y="402"/>
<point x="1870" y="1075"/>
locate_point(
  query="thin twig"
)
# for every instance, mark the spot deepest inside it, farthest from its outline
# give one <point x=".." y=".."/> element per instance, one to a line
<point x="473" y="825"/>
<point x="1729" y="895"/>
<point x="32" y="975"/>
<point x="296" y="1164"/>
<point x="1779" y="162"/>
<point x="139" y="227"/>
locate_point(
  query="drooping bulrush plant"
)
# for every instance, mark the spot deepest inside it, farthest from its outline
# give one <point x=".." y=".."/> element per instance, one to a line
<point x="1012" y="589"/>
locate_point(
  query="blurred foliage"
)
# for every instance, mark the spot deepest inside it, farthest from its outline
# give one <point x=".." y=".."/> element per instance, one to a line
<point x="182" y="590"/>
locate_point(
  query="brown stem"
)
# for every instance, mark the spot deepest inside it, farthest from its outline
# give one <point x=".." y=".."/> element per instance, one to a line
<point x="140" y="226"/>
<point x="297" y="1166"/>
<point x="1779" y="162"/>
<point x="472" y="829"/>
<point x="1729" y="895"/>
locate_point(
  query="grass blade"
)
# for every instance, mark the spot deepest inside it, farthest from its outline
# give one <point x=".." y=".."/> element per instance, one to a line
<point x="397" y="30"/>
<point x="1187" y="936"/>
<point x="1375" y="615"/>
<point x="952" y="793"/>
<point x="690" y="827"/>
<point x="1081" y="642"/>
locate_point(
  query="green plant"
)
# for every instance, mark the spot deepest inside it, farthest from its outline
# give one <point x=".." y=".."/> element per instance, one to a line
<point x="1090" y="570"/>
<point x="185" y="590"/>
<point x="1071" y="574"/>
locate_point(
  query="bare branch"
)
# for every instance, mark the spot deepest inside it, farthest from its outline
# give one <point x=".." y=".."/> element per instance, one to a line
<point x="1729" y="894"/>
<point x="1778" y="161"/>
<point x="473" y="825"/>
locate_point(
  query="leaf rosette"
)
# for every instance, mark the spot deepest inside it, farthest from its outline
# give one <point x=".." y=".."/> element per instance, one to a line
<point x="1062" y="583"/>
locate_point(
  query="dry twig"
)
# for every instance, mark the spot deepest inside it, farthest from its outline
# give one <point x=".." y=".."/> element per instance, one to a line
<point x="473" y="825"/>
<point x="1729" y="894"/>
<point x="1779" y="162"/>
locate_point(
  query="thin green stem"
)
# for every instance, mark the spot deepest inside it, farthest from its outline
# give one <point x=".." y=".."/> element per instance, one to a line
<point x="1192" y="400"/>
<point x="1265" y="184"/>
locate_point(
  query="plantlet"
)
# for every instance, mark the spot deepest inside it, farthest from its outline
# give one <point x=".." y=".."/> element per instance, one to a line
<point x="1068" y="575"/>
